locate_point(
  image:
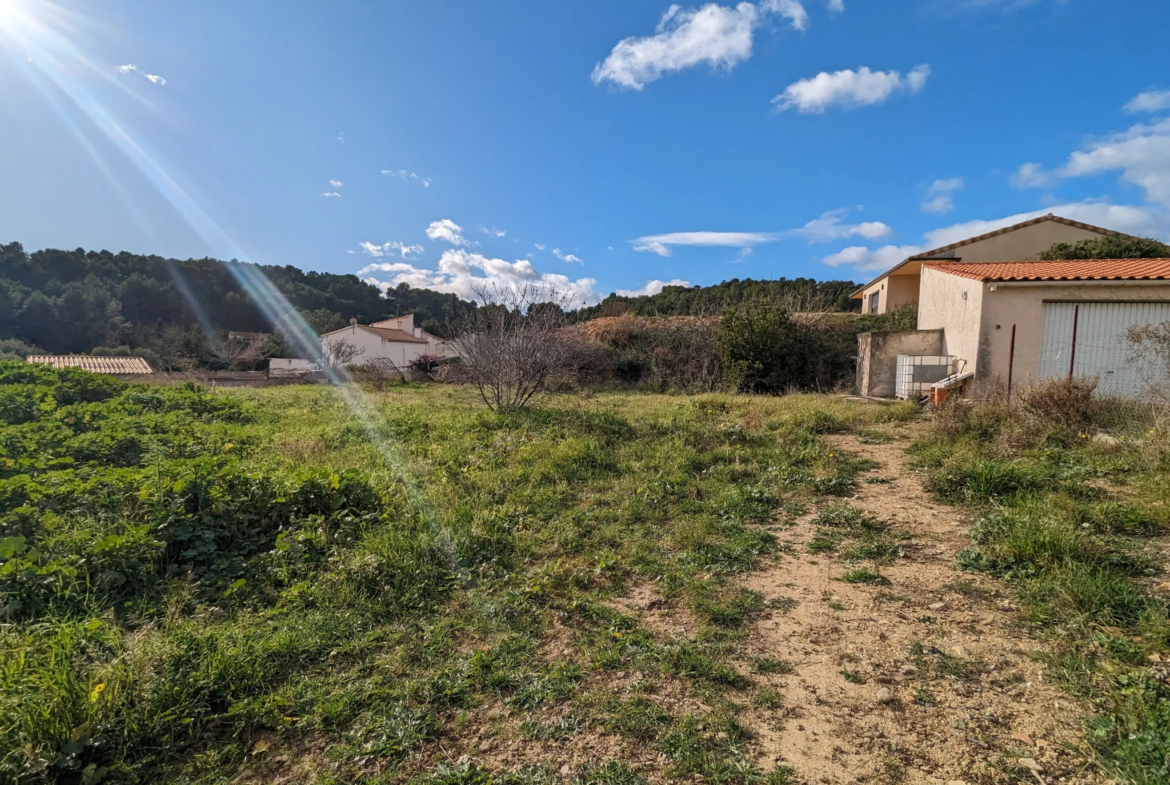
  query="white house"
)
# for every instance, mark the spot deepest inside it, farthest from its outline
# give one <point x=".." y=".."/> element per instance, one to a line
<point x="397" y="341"/>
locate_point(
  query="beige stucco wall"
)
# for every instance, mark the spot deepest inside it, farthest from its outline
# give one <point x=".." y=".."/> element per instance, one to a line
<point x="1022" y="305"/>
<point x="892" y="291"/>
<point x="877" y="357"/>
<point x="943" y="306"/>
<point x="1020" y="244"/>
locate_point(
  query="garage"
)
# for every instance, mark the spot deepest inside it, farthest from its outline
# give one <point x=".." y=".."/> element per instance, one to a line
<point x="1091" y="339"/>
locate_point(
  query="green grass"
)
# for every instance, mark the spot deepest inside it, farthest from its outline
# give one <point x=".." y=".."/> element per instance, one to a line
<point x="1073" y="525"/>
<point x="186" y="573"/>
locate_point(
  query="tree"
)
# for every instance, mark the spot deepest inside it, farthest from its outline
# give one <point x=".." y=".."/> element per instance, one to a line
<point x="759" y="346"/>
<point x="1108" y="248"/>
<point x="338" y="353"/>
<point x="510" y="347"/>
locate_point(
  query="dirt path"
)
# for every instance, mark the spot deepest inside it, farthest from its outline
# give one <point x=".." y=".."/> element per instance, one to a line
<point x="967" y="702"/>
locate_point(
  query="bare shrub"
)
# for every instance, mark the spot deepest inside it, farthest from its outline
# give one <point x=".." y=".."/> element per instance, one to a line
<point x="378" y="373"/>
<point x="516" y="343"/>
<point x="338" y="353"/>
<point x="1150" y="351"/>
<point x="1071" y="403"/>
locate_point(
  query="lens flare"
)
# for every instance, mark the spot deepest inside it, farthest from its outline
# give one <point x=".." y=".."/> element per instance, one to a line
<point x="46" y="39"/>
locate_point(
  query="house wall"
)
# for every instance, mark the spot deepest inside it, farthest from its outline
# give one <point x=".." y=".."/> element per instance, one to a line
<point x="376" y="348"/>
<point x="877" y="357"/>
<point x="1020" y="244"/>
<point x="435" y="344"/>
<point x="1022" y="305"/>
<point x="954" y="305"/>
<point x="1017" y="245"/>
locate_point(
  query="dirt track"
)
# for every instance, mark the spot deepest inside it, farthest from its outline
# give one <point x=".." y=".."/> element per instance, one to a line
<point x="997" y="722"/>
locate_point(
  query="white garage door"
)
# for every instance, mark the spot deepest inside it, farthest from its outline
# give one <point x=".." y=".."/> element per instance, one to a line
<point x="1090" y="339"/>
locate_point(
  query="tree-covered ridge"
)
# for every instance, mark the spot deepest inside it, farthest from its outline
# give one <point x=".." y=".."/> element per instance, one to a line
<point x="75" y="301"/>
<point x="710" y="300"/>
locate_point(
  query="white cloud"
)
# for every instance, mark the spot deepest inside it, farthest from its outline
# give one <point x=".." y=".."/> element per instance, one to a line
<point x="130" y="67"/>
<point x="651" y="287"/>
<point x="331" y="194"/>
<point x="1031" y="176"/>
<point x="1141" y="154"/>
<point x="791" y="10"/>
<point x="540" y="246"/>
<point x="387" y="267"/>
<point x="336" y="183"/>
<point x="829" y="227"/>
<point x="492" y="232"/>
<point x="715" y="35"/>
<point x="392" y="248"/>
<point x="848" y="89"/>
<point x="567" y="257"/>
<point x="940" y="197"/>
<point x="866" y="259"/>
<point x="448" y="231"/>
<point x="341" y="136"/>
<point x="1151" y="101"/>
<point x="1122" y="218"/>
<point x="464" y="273"/>
<point x="406" y="176"/>
<point x="661" y="243"/>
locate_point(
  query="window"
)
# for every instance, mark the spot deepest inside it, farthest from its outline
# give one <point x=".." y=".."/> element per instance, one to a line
<point x="873" y="302"/>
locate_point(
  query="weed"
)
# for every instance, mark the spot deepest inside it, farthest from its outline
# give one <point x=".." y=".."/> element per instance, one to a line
<point x="768" y="698"/>
<point x="862" y="575"/>
<point x="771" y="665"/>
<point x="853" y="677"/>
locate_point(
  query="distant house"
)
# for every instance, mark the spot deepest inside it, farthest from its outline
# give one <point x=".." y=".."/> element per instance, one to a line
<point x="115" y="366"/>
<point x="395" y="340"/>
<point x="1011" y="322"/>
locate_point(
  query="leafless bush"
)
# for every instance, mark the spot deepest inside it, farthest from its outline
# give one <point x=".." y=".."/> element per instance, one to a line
<point x="516" y="344"/>
<point x="338" y="353"/>
<point x="1150" y="351"/>
<point x="238" y="351"/>
<point x="1071" y="403"/>
<point x="378" y="373"/>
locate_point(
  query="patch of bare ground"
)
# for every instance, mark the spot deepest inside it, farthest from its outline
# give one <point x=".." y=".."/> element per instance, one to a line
<point x="930" y="679"/>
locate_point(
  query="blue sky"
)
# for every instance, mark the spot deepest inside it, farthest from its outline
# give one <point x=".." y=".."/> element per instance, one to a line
<point x="608" y="145"/>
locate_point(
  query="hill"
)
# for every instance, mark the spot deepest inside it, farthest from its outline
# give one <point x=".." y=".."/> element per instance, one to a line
<point x="77" y="301"/>
<point x="711" y="300"/>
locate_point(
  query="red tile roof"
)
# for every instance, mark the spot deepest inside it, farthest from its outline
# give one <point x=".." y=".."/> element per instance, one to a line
<point x="117" y="365"/>
<point x="385" y="333"/>
<point x="1072" y="270"/>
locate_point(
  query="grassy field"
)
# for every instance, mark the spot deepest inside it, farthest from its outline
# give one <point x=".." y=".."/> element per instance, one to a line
<point x="1071" y="501"/>
<point x="256" y="585"/>
<point x="276" y="586"/>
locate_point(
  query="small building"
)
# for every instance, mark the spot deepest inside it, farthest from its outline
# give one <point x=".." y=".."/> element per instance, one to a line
<point x="114" y="366"/>
<point x="1016" y="323"/>
<point x="1010" y="322"/>
<point x="899" y="285"/>
<point x="395" y="340"/>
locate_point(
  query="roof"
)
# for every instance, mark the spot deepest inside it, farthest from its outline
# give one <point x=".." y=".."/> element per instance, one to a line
<point x="87" y="362"/>
<point x="987" y="235"/>
<point x="385" y="333"/>
<point x="1071" y="270"/>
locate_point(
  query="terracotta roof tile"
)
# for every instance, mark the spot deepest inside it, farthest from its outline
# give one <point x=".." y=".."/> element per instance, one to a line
<point x="385" y="333"/>
<point x="1071" y="270"/>
<point x="118" y="365"/>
